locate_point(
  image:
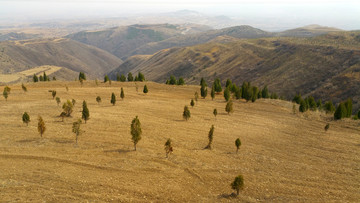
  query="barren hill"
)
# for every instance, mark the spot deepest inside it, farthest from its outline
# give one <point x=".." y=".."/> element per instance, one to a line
<point x="284" y="157"/>
<point x="326" y="66"/>
<point x="21" y="55"/>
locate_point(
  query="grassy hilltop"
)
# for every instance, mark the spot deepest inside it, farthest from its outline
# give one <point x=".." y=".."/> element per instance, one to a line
<point x="283" y="157"/>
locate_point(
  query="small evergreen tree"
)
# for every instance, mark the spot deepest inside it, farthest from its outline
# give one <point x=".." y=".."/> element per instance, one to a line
<point x="98" y="99"/>
<point x="130" y="77"/>
<point x="329" y="107"/>
<point x="213" y="93"/>
<point x="348" y="105"/>
<point x="106" y="78"/>
<point x="41" y="126"/>
<point x="228" y="84"/>
<point x="26" y="118"/>
<point x="340" y="112"/>
<point x="76" y="129"/>
<point x="141" y="77"/>
<point x="135" y="130"/>
<point x="229" y="107"/>
<point x="136" y="78"/>
<point x="35" y="78"/>
<point x="117" y="77"/>
<point x="203" y="82"/>
<point x="168" y="147"/>
<point x="41" y="78"/>
<point x="312" y="103"/>
<point x="82" y="76"/>
<point x="186" y="113"/>
<point x="192" y="103"/>
<point x="217" y="85"/>
<point x="23" y="87"/>
<point x="238" y="93"/>
<point x="53" y="93"/>
<point x="45" y="77"/>
<point x="85" y="112"/>
<point x="181" y="81"/>
<point x="265" y="92"/>
<point x="215" y="112"/>
<point x="172" y="80"/>
<point x="254" y="95"/>
<point x="122" y="95"/>
<point x="227" y="94"/>
<point x="122" y="78"/>
<point x="203" y="91"/>
<point x="58" y="101"/>
<point x="302" y="107"/>
<point x="238" y="184"/>
<point x="210" y="137"/>
<point x="319" y="104"/>
<point x="237" y="144"/>
<point x="113" y="99"/>
<point x="145" y="90"/>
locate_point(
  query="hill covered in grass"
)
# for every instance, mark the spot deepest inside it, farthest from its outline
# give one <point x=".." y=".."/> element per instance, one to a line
<point x="325" y="66"/>
<point x="283" y="156"/>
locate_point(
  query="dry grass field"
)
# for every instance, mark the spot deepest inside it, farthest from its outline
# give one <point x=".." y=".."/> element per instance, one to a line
<point x="284" y="157"/>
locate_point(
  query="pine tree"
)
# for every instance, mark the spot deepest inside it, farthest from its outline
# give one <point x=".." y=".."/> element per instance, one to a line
<point x="26" y="118"/>
<point x="217" y="85"/>
<point x="23" y="87"/>
<point x="106" y="78"/>
<point x="192" y="103"/>
<point x="319" y="104"/>
<point x="203" y="82"/>
<point x="172" y="80"/>
<point x="238" y="93"/>
<point x="329" y="107"/>
<point x="130" y="77"/>
<point x="297" y="98"/>
<point x="186" y="113"/>
<point x="210" y="137"/>
<point x="76" y="129"/>
<point x="85" y="112"/>
<point x="135" y="130"/>
<point x="238" y="184"/>
<point x="53" y="93"/>
<point x="227" y="94"/>
<point x="168" y="147"/>
<point x="113" y="99"/>
<point x="229" y="107"/>
<point x="45" y="77"/>
<point x="41" y="126"/>
<point x="98" y="99"/>
<point x="141" y="77"/>
<point x="265" y="92"/>
<point x="117" y="77"/>
<point x="215" y="112"/>
<point x="228" y="84"/>
<point x="348" y="105"/>
<point x="181" y="81"/>
<point x="302" y="107"/>
<point x="35" y="78"/>
<point x="312" y="103"/>
<point x="122" y="78"/>
<point x="341" y="112"/>
<point x="237" y="144"/>
<point x="254" y="95"/>
<point x="145" y="90"/>
<point x="58" y="101"/>
<point x="203" y="91"/>
<point x="213" y="93"/>
<point x="122" y="95"/>
<point x="41" y="78"/>
<point x="82" y="76"/>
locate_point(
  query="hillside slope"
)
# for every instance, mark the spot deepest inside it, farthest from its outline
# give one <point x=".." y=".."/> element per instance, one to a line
<point x="284" y="157"/>
<point x="324" y="66"/>
<point x="121" y="41"/>
<point x="22" y="55"/>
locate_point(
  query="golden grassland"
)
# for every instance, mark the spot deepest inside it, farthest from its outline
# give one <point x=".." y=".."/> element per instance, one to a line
<point x="284" y="156"/>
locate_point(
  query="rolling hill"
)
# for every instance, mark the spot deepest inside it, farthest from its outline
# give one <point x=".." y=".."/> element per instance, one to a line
<point x="326" y="66"/>
<point x="18" y="56"/>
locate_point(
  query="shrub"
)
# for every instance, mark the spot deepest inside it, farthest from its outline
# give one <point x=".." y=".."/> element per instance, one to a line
<point x="168" y="147"/>
<point x="98" y="99"/>
<point x="58" y="101"/>
<point x="106" y="79"/>
<point x="327" y="127"/>
<point x="82" y="76"/>
<point x="329" y="107"/>
<point x="172" y="80"/>
<point x="26" y="118"/>
<point x="145" y="90"/>
<point x="35" y="78"/>
<point x="135" y="130"/>
<point x="196" y="96"/>
<point x="181" y="81"/>
<point x="186" y="113"/>
<point x="23" y="87"/>
<point x="238" y="184"/>
<point x="53" y="93"/>
<point x="237" y="144"/>
<point x="215" y="112"/>
<point x="192" y="103"/>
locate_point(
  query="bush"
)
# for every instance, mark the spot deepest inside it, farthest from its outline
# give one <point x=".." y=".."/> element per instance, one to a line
<point x="58" y="101"/>
<point x="76" y="129"/>
<point x="186" y="113"/>
<point x="68" y="108"/>
<point x="26" y="118"/>
<point x="168" y="147"/>
<point x="237" y="144"/>
<point x="238" y="184"/>
<point x="145" y="90"/>
<point x="98" y="99"/>
<point x="215" y="112"/>
<point x="192" y="103"/>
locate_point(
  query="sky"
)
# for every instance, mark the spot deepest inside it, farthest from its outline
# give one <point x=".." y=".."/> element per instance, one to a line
<point x="343" y="14"/>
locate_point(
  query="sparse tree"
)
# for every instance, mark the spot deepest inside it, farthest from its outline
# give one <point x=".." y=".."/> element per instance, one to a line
<point x="73" y="101"/>
<point x="168" y="147"/>
<point x="98" y="99"/>
<point x="229" y="107"/>
<point x="53" y="93"/>
<point x="327" y="126"/>
<point x="76" y="129"/>
<point x="130" y="77"/>
<point x="213" y="93"/>
<point x="122" y="95"/>
<point x="113" y="99"/>
<point x="23" y="87"/>
<point x="237" y="144"/>
<point x="54" y="78"/>
<point x="85" y="112"/>
<point x="210" y="137"/>
<point x="68" y="108"/>
<point x="58" y="101"/>
<point x="227" y="94"/>
<point x="192" y="103"/>
<point x="135" y="130"/>
<point x="186" y="113"/>
<point x="5" y="94"/>
<point x="67" y="88"/>
<point x="82" y="76"/>
<point x="35" y="78"/>
<point x="81" y="82"/>
<point x="62" y="115"/>
<point x="215" y="112"/>
<point x="26" y="118"/>
<point x="196" y="96"/>
<point x="41" y="126"/>
<point x="145" y="90"/>
<point x="238" y="184"/>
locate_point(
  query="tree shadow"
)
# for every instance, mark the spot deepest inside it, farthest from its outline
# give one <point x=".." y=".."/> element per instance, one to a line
<point x="28" y="140"/>
<point x="181" y="120"/>
<point x="227" y="196"/>
<point x="120" y="151"/>
<point x="62" y="141"/>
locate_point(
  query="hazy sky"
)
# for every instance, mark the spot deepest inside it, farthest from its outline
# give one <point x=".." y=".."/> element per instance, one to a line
<point x="344" y="14"/>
